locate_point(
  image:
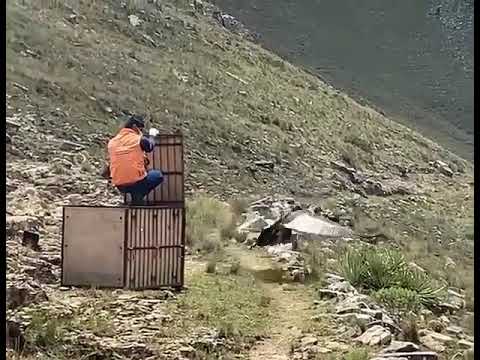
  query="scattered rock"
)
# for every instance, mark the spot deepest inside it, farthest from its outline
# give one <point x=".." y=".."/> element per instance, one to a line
<point x="455" y="299"/>
<point x="401" y="346"/>
<point x="233" y="25"/>
<point x="18" y="296"/>
<point x="445" y="320"/>
<point x="30" y="240"/>
<point x="320" y="317"/>
<point x="443" y="168"/>
<point x="465" y="344"/>
<point x="376" y="335"/>
<point x="198" y="6"/>
<point x="265" y="164"/>
<point x="446" y="308"/>
<point x="134" y="20"/>
<point x="70" y="145"/>
<point x="376" y="314"/>
<point x="435" y="341"/>
<point x="343" y="287"/>
<point x="308" y="340"/>
<point x="436" y="325"/>
<point x="253" y="223"/>
<point x="337" y="346"/>
<point x="361" y="320"/>
<point x="16" y="224"/>
<point x="416" y="355"/>
<point x="449" y="263"/>
<point x="333" y="278"/>
<point x="416" y="267"/>
<point x="454" y="330"/>
<point x="329" y="294"/>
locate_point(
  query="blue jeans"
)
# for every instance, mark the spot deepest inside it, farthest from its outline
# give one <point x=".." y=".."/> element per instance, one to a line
<point x="141" y="188"/>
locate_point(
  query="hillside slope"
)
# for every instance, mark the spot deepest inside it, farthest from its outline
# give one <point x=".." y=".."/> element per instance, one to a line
<point x="254" y="125"/>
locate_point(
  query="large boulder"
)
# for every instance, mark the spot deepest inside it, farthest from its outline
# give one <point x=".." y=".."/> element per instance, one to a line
<point x="401" y="346"/>
<point x="23" y="295"/>
<point x="253" y="223"/>
<point x="435" y="341"/>
<point x="416" y="355"/>
<point x="16" y="224"/>
<point x="315" y="227"/>
<point x="376" y="335"/>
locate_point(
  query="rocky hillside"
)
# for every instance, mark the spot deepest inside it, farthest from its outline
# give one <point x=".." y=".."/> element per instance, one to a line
<point x="255" y="126"/>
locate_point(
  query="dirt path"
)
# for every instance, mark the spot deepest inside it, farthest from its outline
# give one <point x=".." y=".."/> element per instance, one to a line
<point x="290" y="307"/>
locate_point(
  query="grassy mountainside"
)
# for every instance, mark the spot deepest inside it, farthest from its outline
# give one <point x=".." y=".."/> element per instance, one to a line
<point x="254" y="124"/>
<point x="237" y="104"/>
<point x="413" y="60"/>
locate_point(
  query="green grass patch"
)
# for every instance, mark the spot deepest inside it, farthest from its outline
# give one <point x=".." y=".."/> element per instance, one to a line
<point x="234" y="305"/>
<point x="357" y="354"/>
<point x="47" y="331"/>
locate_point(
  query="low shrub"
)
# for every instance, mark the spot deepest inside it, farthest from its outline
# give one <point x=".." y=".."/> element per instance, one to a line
<point x="209" y="223"/>
<point x="358" y="354"/>
<point x="211" y="267"/>
<point x="387" y="273"/>
<point x="45" y="331"/>
<point x="398" y="299"/>
<point x="410" y="331"/>
<point x="235" y="267"/>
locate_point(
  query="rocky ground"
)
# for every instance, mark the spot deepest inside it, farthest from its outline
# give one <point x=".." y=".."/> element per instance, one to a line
<point x="355" y="315"/>
<point x="255" y="126"/>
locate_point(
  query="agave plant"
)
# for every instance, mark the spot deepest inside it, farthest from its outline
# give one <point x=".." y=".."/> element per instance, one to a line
<point x="383" y="267"/>
<point x="386" y="272"/>
<point x="423" y="285"/>
<point x="353" y="267"/>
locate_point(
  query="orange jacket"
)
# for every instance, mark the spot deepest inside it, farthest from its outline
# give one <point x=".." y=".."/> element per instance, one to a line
<point x="126" y="158"/>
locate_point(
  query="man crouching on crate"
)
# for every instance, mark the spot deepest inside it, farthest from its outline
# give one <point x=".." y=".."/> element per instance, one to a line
<point x="128" y="163"/>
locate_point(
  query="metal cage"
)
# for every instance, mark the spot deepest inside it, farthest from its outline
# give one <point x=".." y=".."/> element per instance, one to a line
<point x="131" y="247"/>
<point x="167" y="156"/>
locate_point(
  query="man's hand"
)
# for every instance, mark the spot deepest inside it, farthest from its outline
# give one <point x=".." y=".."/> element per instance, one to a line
<point x="146" y="162"/>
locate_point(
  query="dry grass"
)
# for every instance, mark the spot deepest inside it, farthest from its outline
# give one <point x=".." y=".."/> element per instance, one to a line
<point x="235" y="267"/>
<point x="409" y="329"/>
<point x="45" y="335"/>
<point x="211" y="266"/>
<point x="209" y="224"/>
<point x="239" y="207"/>
<point x="469" y="355"/>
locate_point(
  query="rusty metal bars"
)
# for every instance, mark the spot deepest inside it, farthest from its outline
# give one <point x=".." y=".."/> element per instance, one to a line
<point x="150" y="242"/>
<point x="168" y="157"/>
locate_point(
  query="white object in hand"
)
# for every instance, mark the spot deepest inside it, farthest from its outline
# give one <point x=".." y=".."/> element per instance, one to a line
<point x="153" y="132"/>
